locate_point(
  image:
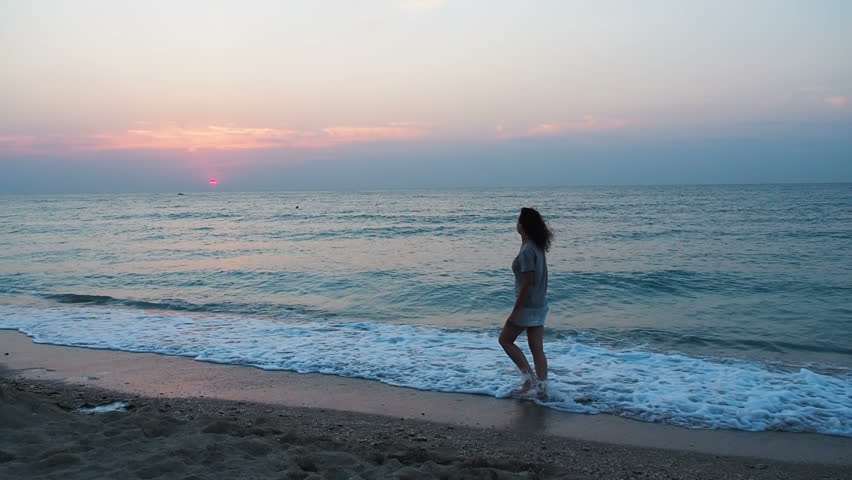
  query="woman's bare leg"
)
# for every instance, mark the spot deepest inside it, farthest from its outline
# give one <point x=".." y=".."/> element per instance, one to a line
<point x="507" y="341"/>
<point x="535" y="339"/>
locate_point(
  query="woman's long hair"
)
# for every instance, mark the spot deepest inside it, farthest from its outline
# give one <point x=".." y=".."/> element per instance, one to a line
<point x="536" y="228"/>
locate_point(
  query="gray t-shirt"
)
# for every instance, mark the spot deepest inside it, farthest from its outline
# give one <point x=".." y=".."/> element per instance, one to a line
<point x="531" y="259"/>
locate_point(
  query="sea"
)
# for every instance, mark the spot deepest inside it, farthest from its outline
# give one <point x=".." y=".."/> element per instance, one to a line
<point x="714" y="307"/>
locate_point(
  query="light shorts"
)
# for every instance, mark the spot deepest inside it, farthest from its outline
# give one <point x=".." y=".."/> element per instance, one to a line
<point x="532" y="317"/>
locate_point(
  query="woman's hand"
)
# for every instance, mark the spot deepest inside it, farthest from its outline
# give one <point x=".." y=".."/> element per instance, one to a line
<point x="527" y="282"/>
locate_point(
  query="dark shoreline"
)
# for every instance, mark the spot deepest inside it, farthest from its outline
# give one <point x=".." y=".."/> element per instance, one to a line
<point x="45" y="436"/>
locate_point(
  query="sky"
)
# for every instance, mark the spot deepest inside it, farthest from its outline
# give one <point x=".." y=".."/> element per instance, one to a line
<point x="114" y="95"/>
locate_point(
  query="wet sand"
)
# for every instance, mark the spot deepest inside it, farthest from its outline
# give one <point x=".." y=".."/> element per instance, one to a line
<point x="212" y="421"/>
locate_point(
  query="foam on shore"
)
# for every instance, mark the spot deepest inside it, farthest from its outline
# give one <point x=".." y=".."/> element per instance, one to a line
<point x="585" y="378"/>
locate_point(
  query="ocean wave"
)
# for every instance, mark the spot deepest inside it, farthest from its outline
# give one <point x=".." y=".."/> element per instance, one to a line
<point x="382" y="232"/>
<point x="708" y="340"/>
<point x="585" y="378"/>
<point x="681" y="283"/>
<point x="190" y="215"/>
<point x="645" y="234"/>
<point x="178" y="305"/>
<point x="649" y="338"/>
<point x="411" y="292"/>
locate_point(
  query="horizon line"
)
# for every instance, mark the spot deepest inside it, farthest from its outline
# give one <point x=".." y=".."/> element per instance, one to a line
<point x="380" y="189"/>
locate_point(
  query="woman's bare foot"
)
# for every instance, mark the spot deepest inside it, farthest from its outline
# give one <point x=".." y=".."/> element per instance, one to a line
<point x="526" y="387"/>
<point x="541" y="390"/>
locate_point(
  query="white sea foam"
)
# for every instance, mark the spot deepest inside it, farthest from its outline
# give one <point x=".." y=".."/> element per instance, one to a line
<point x="649" y="386"/>
<point x="110" y="407"/>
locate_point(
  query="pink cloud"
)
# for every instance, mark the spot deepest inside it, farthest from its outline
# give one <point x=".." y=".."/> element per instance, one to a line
<point x="837" y="102"/>
<point x="29" y="144"/>
<point x="212" y="137"/>
<point x="588" y="124"/>
<point x="545" y="129"/>
<point x="16" y="143"/>
<point x="349" y="134"/>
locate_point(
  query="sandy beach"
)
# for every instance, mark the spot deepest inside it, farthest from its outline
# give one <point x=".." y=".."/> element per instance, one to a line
<point x="188" y="419"/>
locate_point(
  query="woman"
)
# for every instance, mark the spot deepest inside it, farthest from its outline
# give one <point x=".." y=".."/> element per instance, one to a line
<point x="530" y="312"/>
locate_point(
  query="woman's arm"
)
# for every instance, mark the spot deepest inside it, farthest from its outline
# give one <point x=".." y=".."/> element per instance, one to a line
<point x="527" y="283"/>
